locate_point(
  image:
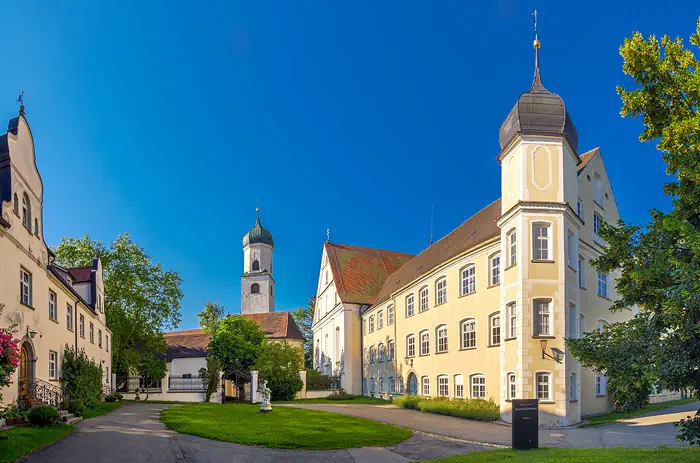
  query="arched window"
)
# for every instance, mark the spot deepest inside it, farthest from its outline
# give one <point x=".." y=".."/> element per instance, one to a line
<point x="425" y="383"/>
<point x="254" y="288"/>
<point x="425" y="342"/>
<point x="495" y="329"/>
<point x="441" y="291"/>
<point x="410" y="308"/>
<point x="256" y="266"/>
<point x="441" y="336"/>
<point x="26" y="212"/>
<point x="468" y="276"/>
<point x="511" y="386"/>
<point x="467" y="331"/>
<point x="495" y="269"/>
<point x="443" y="386"/>
<point x="598" y="189"/>
<point x="512" y="243"/>
<point x="411" y="345"/>
<point x="477" y="384"/>
<point x="380" y="319"/>
<point x="423" y="299"/>
<point x="459" y="386"/>
<point x="337" y="343"/>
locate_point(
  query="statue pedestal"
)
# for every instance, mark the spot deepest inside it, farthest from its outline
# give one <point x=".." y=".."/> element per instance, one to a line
<point x="264" y="408"/>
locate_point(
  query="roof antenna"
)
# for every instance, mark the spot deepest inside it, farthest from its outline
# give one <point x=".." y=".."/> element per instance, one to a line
<point x="432" y="215"/>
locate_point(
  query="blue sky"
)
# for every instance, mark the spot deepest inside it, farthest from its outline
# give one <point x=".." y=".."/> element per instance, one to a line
<point x="168" y="120"/>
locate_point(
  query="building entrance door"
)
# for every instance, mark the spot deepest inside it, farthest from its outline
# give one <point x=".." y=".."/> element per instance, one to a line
<point x="24" y="371"/>
<point x="412" y="384"/>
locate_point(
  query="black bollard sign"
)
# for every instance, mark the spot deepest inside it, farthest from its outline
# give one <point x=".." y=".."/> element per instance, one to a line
<point x="525" y="424"/>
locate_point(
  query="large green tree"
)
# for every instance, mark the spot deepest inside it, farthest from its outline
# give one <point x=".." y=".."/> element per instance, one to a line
<point x="210" y="317"/>
<point x="142" y="299"/>
<point x="279" y="364"/>
<point x="304" y="317"/>
<point x="660" y="261"/>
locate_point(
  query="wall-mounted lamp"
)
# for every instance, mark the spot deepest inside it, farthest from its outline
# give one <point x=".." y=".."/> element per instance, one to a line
<point x="409" y="361"/>
<point x="558" y="354"/>
<point x="31" y="333"/>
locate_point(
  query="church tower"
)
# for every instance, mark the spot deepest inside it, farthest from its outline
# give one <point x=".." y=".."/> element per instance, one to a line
<point x="257" y="284"/>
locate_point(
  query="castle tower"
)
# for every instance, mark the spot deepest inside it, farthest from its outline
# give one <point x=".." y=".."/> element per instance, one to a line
<point x="257" y="284"/>
<point x="539" y="231"/>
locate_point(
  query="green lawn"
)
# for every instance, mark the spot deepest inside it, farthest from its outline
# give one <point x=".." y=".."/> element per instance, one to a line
<point x="547" y="455"/>
<point x="101" y="409"/>
<point x="154" y="402"/>
<point x="23" y="440"/>
<point x="323" y="400"/>
<point x="613" y="417"/>
<point x="284" y="427"/>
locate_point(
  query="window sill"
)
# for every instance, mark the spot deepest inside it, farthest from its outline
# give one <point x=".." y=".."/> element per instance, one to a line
<point x="542" y="261"/>
<point x="582" y="287"/>
<point x="82" y="336"/>
<point x="493" y="286"/>
<point x="468" y="294"/>
<point x="510" y="339"/>
<point x="409" y="316"/>
<point x="27" y="305"/>
<point x="55" y="321"/>
<point x="442" y="352"/>
<point x="54" y="380"/>
<point x="424" y="310"/>
<point x="572" y="268"/>
<point x="70" y="330"/>
<point x="604" y="297"/>
<point x="468" y="348"/>
<point x="423" y="355"/>
<point x="600" y="395"/>
<point x="493" y="345"/>
<point x="543" y="336"/>
<point x="442" y="303"/>
<point x="573" y="401"/>
<point x="546" y="402"/>
<point x="510" y="267"/>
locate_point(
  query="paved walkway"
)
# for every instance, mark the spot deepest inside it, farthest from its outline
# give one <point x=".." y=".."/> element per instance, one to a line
<point x="648" y="431"/>
<point x="134" y="433"/>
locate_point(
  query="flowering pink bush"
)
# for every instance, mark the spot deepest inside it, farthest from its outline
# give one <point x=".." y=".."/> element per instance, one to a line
<point x="9" y="357"/>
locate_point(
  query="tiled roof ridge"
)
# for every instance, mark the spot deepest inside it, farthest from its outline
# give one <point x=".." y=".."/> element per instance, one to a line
<point x="339" y="276"/>
<point x="586" y="157"/>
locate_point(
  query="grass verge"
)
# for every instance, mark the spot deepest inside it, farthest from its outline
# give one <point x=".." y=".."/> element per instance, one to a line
<point x="284" y="427"/>
<point x="473" y="409"/>
<point x="101" y="409"/>
<point x="155" y="402"/>
<point x="356" y="400"/>
<point x="548" y="455"/>
<point x="608" y="418"/>
<point x="23" y="440"/>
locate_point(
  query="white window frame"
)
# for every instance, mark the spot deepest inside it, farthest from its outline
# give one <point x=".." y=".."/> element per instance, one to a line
<point x="459" y="386"/>
<point x="542" y="243"/>
<point x="371" y="323"/>
<point x="411" y="345"/>
<point x="381" y="354"/>
<point x="581" y="323"/>
<point x="380" y="319"/>
<point x="410" y="305"/>
<point x="494" y="329"/>
<point x="53" y="364"/>
<point x="579" y="208"/>
<point x="597" y="222"/>
<point x="512" y="244"/>
<point x="512" y="384"/>
<point x="479" y="387"/>
<point x="512" y="318"/>
<point x="69" y="317"/>
<point x="602" y="289"/>
<point x="601" y="385"/>
<point x="441" y="291"/>
<point x="390" y="315"/>
<point x="25" y="287"/>
<point x="381" y="385"/>
<point x="571" y="248"/>
<point x="467" y="333"/>
<point x="391" y="350"/>
<point x="92" y="333"/>
<point x="372" y="355"/>
<point x="441" y="340"/>
<point x="468" y="279"/>
<point x="601" y="324"/>
<point x="545" y="393"/>
<point x="424" y="343"/>
<point x="81" y="325"/>
<point x="573" y="385"/>
<point x="582" y="272"/>
<point x="372" y="385"/>
<point x="495" y="269"/>
<point x="392" y="385"/>
<point x="443" y="385"/>
<point x="53" y="299"/>
<point x="543" y="319"/>
<point x="425" y="386"/>
<point x="423" y="299"/>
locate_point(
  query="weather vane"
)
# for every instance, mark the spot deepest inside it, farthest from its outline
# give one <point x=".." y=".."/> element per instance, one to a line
<point x="257" y="205"/>
<point x="328" y="235"/>
<point x="20" y="100"/>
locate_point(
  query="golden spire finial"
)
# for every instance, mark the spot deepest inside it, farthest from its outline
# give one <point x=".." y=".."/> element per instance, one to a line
<point x="536" y="43"/>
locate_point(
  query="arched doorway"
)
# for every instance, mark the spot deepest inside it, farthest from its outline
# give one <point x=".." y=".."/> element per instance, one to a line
<point x="26" y="369"/>
<point x="412" y="384"/>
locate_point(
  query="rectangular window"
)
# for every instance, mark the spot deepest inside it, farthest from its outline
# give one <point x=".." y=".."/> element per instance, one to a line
<point x="511" y="386"/>
<point x="602" y="284"/>
<point x="392" y="385"/>
<point x="495" y="330"/>
<point x="582" y="323"/>
<point x="600" y="386"/>
<point x="81" y="326"/>
<point x="442" y="339"/>
<point x="424" y="343"/>
<point x="540" y="245"/>
<point x="423" y="296"/>
<point x="107" y="375"/>
<point x="390" y="355"/>
<point x="69" y="317"/>
<point x="371" y="324"/>
<point x="543" y="386"/>
<point x="579" y="208"/>
<point x="495" y="269"/>
<point x="542" y="318"/>
<point x="372" y="354"/>
<point x="411" y="346"/>
<point x="400" y="381"/>
<point x="581" y="272"/>
<point x="365" y="323"/>
<point x="107" y="343"/>
<point x="459" y="387"/>
<point x="512" y="320"/>
<point x="390" y="315"/>
<point x="372" y="385"/>
<point x="512" y="248"/>
<point x="364" y="385"/>
<point x="573" y="395"/>
<point x="469" y="334"/>
<point x="99" y="338"/>
<point x="380" y="320"/>
<point x="469" y="280"/>
<point x="441" y="292"/>
<point x="443" y="386"/>
<point x="597" y="221"/>
<point x="381" y="353"/>
<point x="425" y="382"/>
<point x="381" y="385"/>
<point x="572" y="321"/>
<point x="92" y="333"/>
<point x="478" y="387"/>
<point x="571" y="249"/>
<point x="53" y="365"/>
<point x="410" y="308"/>
<point x="25" y="287"/>
<point x="53" y="315"/>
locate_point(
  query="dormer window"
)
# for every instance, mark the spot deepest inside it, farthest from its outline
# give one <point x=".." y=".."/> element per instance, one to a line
<point x="256" y="266"/>
<point x="26" y="212"/>
<point x="254" y="288"/>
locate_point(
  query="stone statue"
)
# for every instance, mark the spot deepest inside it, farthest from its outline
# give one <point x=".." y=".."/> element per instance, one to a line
<point x="265" y="405"/>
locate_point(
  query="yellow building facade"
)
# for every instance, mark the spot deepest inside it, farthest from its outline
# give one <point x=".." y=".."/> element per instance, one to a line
<point x="485" y="311"/>
<point x="47" y="307"/>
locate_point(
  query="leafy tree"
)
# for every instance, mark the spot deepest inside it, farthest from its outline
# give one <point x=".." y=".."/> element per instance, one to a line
<point x="236" y="346"/>
<point x="304" y="317"/>
<point x="279" y="364"/>
<point x="142" y="299"/>
<point x="210" y="377"/>
<point x="660" y="262"/>
<point x="81" y="377"/>
<point x="211" y="316"/>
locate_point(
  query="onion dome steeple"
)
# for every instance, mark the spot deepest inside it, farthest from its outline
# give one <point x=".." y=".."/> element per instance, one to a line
<point x="538" y="112"/>
<point x="258" y="234"/>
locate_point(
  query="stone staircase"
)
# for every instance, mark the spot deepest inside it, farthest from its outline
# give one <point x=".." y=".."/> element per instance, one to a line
<point x="69" y="418"/>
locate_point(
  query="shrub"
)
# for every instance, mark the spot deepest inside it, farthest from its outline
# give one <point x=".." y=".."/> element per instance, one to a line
<point x="118" y="396"/>
<point x="341" y="395"/>
<point x="110" y="398"/>
<point x="474" y="409"/>
<point x="279" y="364"/>
<point x="76" y="406"/>
<point x="82" y="377"/>
<point x="43" y="416"/>
<point x="407" y="401"/>
<point x="9" y="356"/>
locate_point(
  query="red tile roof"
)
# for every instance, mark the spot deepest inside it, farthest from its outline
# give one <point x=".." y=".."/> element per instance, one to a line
<point x="277" y="325"/>
<point x="80" y="274"/>
<point x="359" y="273"/>
<point x="476" y="230"/>
<point x="586" y="158"/>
